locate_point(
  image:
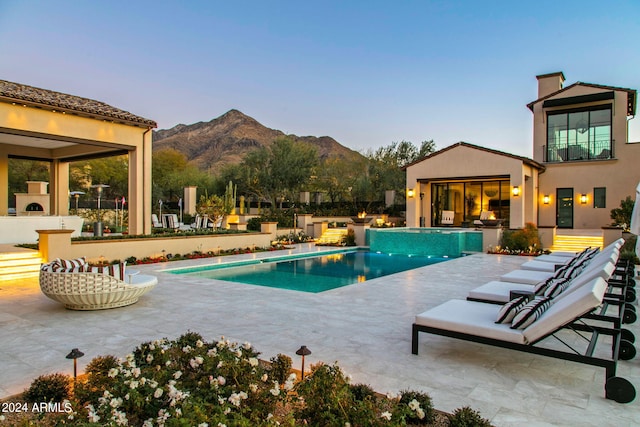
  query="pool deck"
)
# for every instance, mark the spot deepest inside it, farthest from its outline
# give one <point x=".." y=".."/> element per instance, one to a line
<point x="365" y="327"/>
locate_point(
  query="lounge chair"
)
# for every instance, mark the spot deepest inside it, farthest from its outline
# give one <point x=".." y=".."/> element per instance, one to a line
<point x="155" y="222"/>
<point x="533" y="277"/>
<point x="551" y="264"/>
<point x="476" y="322"/>
<point x="447" y="218"/>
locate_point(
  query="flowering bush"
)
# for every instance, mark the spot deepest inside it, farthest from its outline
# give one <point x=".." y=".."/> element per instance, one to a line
<point x="191" y="382"/>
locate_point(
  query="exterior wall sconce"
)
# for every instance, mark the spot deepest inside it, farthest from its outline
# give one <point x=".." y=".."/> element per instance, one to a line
<point x="546" y="199"/>
<point x="410" y="193"/>
<point x="515" y="191"/>
<point x="583" y="199"/>
<point x="303" y="351"/>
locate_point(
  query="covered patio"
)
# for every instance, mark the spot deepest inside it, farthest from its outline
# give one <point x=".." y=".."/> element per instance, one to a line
<point x="44" y="125"/>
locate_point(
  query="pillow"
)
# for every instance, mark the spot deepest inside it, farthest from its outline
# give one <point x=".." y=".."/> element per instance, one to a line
<point x="509" y="310"/>
<point x="70" y="263"/>
<point x="556" y="287"/>
<point x="114" y="270"/>
<point x="47" y="267"/>
<point x="530" y="312"/>
<point x="560" y="272"/>
<point x="540" y="287"/>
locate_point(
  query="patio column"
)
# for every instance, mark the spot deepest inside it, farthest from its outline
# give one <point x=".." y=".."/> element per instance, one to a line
<point x="59" y="188"/>
<point x="140" y="186"/>
<point x="4" y="182"/>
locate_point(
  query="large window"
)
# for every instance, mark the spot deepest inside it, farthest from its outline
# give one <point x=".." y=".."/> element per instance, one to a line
<point x="469" y="199"/>
<point x="579" y="135"/>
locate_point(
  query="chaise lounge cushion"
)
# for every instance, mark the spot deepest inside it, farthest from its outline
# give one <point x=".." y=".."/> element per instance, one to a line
<point x="478" y="319"/>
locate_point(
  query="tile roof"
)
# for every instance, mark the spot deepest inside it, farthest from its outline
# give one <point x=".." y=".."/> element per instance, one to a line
<point x="20" y="93"/>
<point x="525" y="160"/>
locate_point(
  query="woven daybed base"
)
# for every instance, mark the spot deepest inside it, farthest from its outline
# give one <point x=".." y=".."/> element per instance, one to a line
<point x="94" y="291"/>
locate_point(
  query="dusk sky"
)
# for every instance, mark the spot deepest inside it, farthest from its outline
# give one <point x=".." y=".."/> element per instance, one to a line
<point x="366" y="73"/>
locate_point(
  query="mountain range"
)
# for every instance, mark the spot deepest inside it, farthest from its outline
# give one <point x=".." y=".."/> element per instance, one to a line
<point x="228" y="138"/>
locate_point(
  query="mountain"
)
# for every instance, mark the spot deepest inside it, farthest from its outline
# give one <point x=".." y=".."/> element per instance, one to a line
<point x="228" y="138"/>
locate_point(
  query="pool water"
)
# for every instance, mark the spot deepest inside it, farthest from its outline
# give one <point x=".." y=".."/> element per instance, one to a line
<point x="314" y="274"/>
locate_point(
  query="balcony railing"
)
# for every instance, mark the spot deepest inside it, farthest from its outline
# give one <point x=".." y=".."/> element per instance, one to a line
<point x="597" y="150"/>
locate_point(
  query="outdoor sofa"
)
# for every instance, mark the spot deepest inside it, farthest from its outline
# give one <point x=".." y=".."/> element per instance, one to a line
<point x="80" y="286"/>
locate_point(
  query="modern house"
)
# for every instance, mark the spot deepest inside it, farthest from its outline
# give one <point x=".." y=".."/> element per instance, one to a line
<point x="582" y="167"/>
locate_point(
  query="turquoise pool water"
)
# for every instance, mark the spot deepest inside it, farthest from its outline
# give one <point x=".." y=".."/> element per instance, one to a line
<point x="451" y="242"/>
<point x="313" y="274"/>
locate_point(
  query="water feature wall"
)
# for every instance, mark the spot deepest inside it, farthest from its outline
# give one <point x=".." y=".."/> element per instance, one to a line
<point x="425" y="241"/>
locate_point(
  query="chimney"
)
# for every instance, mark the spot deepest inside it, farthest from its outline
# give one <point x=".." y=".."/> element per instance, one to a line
<point x="549" y="83"/>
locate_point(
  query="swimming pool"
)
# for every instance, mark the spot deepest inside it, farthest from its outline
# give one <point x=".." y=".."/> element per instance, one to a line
<point x="312" y="274"/>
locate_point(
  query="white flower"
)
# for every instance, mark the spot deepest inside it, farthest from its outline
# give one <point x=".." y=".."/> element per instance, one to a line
<point x="199" y="343"/>
<point x="269" y="416"/>
<point x="133" y="384"/>
<point x="148" y="423"/>
<point x="177" y="374"/>
<point x="222" y="380"/>
<point x="113" y="372"/>
<point x="115" y="402"/>
<point x="253" y="361"/>
<point x="212" y="352"/>
<point x="186" y="349"/>
<point x="203" y="425"/>
<point x="420" y="413"/>
<point x="136" y="372"/>
<point x="288" y="385"/>
<point x="276" y="389"/>
<point x="247" y="345"/>
<point x="158" y="393"/>
<point x="220" y="364"/>
<point x="234" y="399"/>
<point x="149" y="358"/>
<point x="392" y="396"/>
<point x="253" y="387"/>
<point x="264" y="378"/>
<point x="414" y="405"/>
<point x="222" y="425"/>
<point x="196" y="361"/>
<point x="386" y="415"/>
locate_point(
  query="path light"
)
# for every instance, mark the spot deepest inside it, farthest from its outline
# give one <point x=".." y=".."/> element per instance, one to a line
<point x="303" y="351"/>
<point x="75" y="355"/>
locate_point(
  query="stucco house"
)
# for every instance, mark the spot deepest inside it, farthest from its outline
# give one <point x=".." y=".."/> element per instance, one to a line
<point x="583" y="165"/>
<point x="59" y="128"/>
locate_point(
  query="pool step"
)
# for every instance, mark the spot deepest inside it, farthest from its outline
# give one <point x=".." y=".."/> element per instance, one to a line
<point x="19" y="264"/>
<point x="332" y="236"/>
<point x="575" y="243"/>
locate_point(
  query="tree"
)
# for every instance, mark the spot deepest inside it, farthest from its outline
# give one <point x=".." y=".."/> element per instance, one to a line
<point x="279" y="171"/>
<point x="171" y="172"/>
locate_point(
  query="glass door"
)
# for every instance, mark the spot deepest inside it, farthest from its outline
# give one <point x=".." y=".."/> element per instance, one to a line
<point x="564" y="209"/>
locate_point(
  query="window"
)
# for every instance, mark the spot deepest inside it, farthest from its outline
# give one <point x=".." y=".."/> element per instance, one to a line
<point x="600" y="197"/>
<point x="579" y="135"/>
<point x="468" y="199"/>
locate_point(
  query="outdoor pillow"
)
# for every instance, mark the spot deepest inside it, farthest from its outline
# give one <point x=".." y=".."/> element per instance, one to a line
<point x="114" y="270"/>
<point x="509" y="310"/>
<point x="68" y="263"/>
<point x="530" y="312"/>
<point x="556" y="287"/>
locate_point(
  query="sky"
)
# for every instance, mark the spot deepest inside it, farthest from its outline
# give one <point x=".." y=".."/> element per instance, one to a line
<point x="367" y="73"/>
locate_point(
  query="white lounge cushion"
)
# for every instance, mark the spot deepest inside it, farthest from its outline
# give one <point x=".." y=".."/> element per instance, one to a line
<point x="525" y="276"/>
<point x="469" y="317"/>
<point x="555" y="259"/>
<point x="536" y="265"/>
<point x="567" y="308"/>
<point x="498" y="291"/>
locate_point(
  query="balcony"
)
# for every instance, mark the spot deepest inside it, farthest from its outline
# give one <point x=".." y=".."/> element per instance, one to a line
<point x="597" y="150"/>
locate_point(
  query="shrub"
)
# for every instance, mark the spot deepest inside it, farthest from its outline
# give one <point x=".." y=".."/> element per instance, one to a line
<point x="280" y="368"/>
<point x="622" y="216"/>
<point x="525" y="240"/>
<point x="49" y="388"/>
<point x="362" y="392"/>
<point x="467" y="417"/>
<point x="97" y="378"/>
<point x="350" y="238"/>
<point x="420" y="408"/>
